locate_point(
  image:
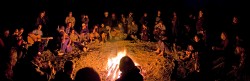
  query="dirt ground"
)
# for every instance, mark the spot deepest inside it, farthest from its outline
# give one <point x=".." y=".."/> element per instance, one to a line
<point x="153" y="67"/>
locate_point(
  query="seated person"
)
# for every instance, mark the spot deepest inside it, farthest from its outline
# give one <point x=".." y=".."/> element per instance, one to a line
<point x="66" y="73"/>
<point x="132" y="30"/>
<point x="160" y="35"/>
<point x="84" y="34"/>
<point x="65" y="44"/>
<point x="118" y="33"/>
<point x="75" y="39"/>
<point x="74" y="36"/>
<point x="15" y="32"/>
<point x="144" y="33"/>
<point x="69" y="27"/>
<point x="94" y="34"/>
<point x="36" y="36"/>
<point x="191" y="59"/>
<point x="103" y="31"/>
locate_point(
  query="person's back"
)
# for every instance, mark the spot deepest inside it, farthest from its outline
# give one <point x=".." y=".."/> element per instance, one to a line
<point x="65" y="75"/>
<point x="129" y="71"/>
<point x="133" y="75"/>
<point x="62" y="76"/>
<point x="87" y="74"/>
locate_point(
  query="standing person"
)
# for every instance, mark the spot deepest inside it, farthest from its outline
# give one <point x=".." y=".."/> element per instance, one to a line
<point x="144" y="19"/>
<point x="200" y="23"/>
<point x="107" y="20"/>
<point x="70" y="18"/>
<point x="158" y="17"/>
<point x="42" y="19"/>
<point x="174" y="27"/>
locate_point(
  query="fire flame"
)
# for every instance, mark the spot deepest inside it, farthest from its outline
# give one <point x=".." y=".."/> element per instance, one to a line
<point x="113" y="66"/>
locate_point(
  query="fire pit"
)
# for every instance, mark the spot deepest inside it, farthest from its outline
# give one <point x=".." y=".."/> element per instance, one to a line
<point x="105" y="60"/>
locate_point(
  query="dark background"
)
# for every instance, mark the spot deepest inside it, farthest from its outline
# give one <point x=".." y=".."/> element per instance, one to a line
<point x="218" y="13"/>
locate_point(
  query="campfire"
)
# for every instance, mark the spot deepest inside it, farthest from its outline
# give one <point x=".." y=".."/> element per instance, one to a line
<point x="113" y="66"/>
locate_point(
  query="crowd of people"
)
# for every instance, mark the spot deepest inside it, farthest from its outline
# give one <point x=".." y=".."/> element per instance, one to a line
<point x="20" y="55"/>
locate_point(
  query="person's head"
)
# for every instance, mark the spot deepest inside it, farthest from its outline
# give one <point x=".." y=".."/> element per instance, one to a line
<point x="158" y="13"/>
<point x="196" y="38"/>
<point x="190" y="16"/>
<point x="102" y="25"/>
<point x="21" y="31"/>
<point x="69" y="67"/>
<point x="6" y="32"/>
<point x="200" y="14"/>
<point x="120" y="25"/>
<point x="235" y="20"/>
<point x="239" y="50"/>
<point x="61" y="28"/>
<point x="87" y="74"/>
<point x="96" y="26"/>
<point x="42" y="14"/>
<point x="69" y="24"/>
<point x="133" y="22"/>
<point x="113" y="15"/>
<point x="190" y="48"/>
<point x="145" y="14"/>
<point x="144" y="26"/>
<point x="174" y="14"/>
<point x="106" y="14"/>
<point x="187" y="27"/>
<point x="72" y="31"/>
<point x="84" y="26"/>
<point x="39" y="27"/>
<point x="70" y="14"/>
<point x="16" y="31"/>
<point x="86" y="16"/>
<point x="223" y="36"/>
<point x="122" y="15"/>
<point x="126" y="64"/>
<point x="130" y="14"/>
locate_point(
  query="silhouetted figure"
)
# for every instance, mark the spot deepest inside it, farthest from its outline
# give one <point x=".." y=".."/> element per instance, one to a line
<point x="6" y="39"/>
<point x="66" y="73"/>
<point x="31" y="69"/>
<point x="106" y="20"/>
<point x="87" y="74"/>
<point x="7" y="64"/>
<point x="129" y="71"/>
<point x="42" y="19"/>
<point x="144" y="19"/>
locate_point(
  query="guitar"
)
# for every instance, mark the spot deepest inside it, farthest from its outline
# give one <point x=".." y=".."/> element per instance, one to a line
<point x="32" y="38"/>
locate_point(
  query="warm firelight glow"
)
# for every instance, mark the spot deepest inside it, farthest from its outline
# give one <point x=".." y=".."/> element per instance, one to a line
<point x="113" y="66"/>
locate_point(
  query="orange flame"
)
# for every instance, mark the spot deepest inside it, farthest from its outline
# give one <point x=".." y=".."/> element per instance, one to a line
<point x="113" y="66"/>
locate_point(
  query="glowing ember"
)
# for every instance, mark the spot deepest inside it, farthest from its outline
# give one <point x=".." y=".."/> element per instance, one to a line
<point x="113" y="66"/>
